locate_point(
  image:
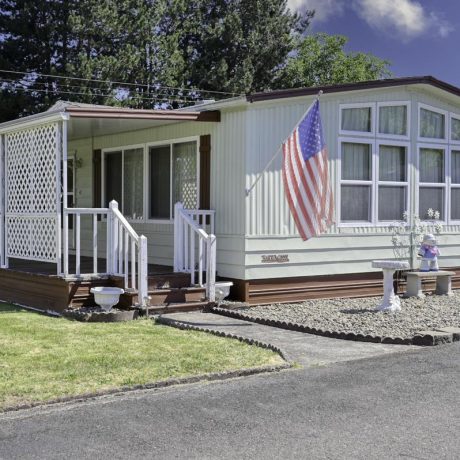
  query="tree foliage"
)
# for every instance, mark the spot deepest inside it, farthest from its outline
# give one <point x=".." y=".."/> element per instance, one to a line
<point x="157" y="47"/>
<point x="321" y="60"/>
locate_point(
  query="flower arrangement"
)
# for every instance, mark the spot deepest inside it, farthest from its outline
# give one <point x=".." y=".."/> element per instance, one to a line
<point x="406" y="237"/>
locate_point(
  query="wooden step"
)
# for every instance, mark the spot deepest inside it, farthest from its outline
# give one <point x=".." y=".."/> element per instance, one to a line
<point x="177" y="307"/>
<point x="166" y="296"/>
<point x="80" y="292"/>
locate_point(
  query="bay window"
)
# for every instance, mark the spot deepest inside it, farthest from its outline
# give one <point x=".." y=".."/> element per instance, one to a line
<point x="455" y="184"/>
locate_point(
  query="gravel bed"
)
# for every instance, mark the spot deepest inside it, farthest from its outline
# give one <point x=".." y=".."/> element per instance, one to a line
<point x="359" y="315"/>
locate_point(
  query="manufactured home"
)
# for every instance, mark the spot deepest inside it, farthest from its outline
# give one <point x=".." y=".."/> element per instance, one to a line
<point x="155" y="200"/>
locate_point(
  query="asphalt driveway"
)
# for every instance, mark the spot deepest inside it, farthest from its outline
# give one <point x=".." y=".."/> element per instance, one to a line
<point x="402" y="405"/>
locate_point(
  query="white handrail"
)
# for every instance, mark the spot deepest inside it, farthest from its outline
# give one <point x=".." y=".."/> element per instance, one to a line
<point x="189" y="224"/>
<point x="126" y="251"/>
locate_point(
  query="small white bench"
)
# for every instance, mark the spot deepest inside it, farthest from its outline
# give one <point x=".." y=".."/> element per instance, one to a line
<point x="443" y="283"/>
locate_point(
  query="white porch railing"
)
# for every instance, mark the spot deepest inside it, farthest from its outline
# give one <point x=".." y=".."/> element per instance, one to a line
<point x="194" y="248"/>
<point x="126" y="252"/>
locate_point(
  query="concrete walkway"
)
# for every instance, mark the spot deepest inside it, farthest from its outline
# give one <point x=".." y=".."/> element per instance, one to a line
<point x="306" y="349"/>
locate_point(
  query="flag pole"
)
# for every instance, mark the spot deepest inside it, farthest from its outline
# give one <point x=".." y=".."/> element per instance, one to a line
<point x="249" y="190"/>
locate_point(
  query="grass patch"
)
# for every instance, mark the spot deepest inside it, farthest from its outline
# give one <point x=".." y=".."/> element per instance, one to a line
<point x="43" y="358"/>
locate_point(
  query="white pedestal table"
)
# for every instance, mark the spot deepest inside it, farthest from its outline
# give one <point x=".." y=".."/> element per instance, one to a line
<point x="390" y="301"/>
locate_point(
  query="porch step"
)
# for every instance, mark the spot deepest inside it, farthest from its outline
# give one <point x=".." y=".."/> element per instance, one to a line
<point x="166" y="296"/>
<point x="79" y="292"/>
<point x="177" y="307"/>
<point x="169" y="281"/>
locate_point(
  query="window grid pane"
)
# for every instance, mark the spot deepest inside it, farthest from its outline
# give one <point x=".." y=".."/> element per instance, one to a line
<point x="455" y="167"/>
<point x="455" y="129"/>
<point x="357" y="119"/>
<point x="184" y="175"/>
<point x="355" y="203"/>
<point x="431" y="165"/>
<point x="393" y="120"/>
<point x="133" y="182"/>
<point x="356" y="161"/>
<point x="455" y="204"/>
<point x="392" y="202"/>
<point x="431" y="197"/>
<point x="392" y="163"/>
<point x="159" y="182"/>
<point x="432" y="124"/>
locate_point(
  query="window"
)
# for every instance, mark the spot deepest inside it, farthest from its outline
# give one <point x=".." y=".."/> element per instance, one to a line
<point x="356" y="118"/>
<point x="356" y="182"/>
<point x="454" y="129"/>
<point x="392" y="182"/>
<point x="432" y="180"/>
<point x="123" y="179"/>
<point x="393" y="119"/>
<point x="455" y="185"/>
<point x="173" y="170"/>
<point x="432" y="123"/>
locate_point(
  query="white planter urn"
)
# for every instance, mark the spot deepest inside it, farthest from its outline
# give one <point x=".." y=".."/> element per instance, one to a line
<point x="222" y="290"/>
<point x="106" y="297"/>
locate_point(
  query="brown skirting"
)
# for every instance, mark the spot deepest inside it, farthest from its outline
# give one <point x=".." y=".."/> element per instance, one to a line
<point x="282" y="290"/>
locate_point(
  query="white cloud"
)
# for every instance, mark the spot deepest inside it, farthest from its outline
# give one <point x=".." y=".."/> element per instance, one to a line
<point x="407" y="18"/>
<point x="323" y="8"/>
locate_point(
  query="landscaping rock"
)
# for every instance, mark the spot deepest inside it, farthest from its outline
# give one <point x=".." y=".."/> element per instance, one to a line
<point x="97" y="315"/>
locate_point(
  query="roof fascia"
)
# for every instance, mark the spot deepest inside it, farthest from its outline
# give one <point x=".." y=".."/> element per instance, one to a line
<point x="32" y="121"/>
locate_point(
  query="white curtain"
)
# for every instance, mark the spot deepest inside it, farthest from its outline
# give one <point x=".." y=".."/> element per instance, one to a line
<point x="356" y="161"/>
<point x="455" y="167"/>
<point x="355" y="203"/>
<point x="431" y="165"/>
<point x="455" y="204"/>
<point x="393" y="120"/>
<point x="185" y="174"/>
<point x="455" y="129"/>
<point x="392" y="163"/>
<point x="431" y="197"/>
<point x="358" y="119"/>
<point x="431" y="124"/>
<point x="133" y="202"/>
<point x="392" y="203"/>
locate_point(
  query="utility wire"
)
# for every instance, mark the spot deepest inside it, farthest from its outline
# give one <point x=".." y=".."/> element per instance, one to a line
<point x="33" y="90"/>
<point x="31" y="85"/>
<point x="120" y="83"/>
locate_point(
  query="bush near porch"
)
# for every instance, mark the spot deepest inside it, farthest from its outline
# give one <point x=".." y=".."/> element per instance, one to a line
<point x="44" y="358"/>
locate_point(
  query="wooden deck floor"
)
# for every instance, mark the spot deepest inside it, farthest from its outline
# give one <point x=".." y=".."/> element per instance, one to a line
<point x="86" y="264"/>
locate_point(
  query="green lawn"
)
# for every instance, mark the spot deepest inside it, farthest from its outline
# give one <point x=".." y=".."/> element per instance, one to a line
<point x="42" y="358"/>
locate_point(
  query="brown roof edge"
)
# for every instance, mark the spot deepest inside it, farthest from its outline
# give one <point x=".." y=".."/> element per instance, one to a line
<point x="371" y="84"/>
<point x="142" y="114"/>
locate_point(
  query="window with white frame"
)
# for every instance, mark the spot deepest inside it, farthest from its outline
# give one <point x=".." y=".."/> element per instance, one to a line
<point x="432" y="123"/>
<point x="356" y="182"/>
<point x="455" y="185"/>
<point x="393" y="119"/>
<point x="374" y="183"/>
<point x="393" y="187"/>
<point x="432" y="180"/>
<point x="123" y="180"/>
<point x="173" y="170"/>
<point x="356" y="118"/>
<point x="455" y="129"/>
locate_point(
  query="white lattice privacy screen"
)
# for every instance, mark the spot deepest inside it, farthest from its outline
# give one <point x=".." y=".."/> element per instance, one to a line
<point x="32" y="183"/>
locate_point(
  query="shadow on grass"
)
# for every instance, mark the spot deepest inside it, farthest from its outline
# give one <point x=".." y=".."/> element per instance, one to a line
<point x="8" y="308"/>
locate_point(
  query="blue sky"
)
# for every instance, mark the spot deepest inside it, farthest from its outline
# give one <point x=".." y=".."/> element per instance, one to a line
<point x="419" y="37"/>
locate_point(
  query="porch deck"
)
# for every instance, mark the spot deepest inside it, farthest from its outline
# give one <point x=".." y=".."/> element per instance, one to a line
<point x="86" y="264"/>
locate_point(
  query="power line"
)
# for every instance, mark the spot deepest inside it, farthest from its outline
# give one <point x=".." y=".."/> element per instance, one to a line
<point x="121" y="83"/>
<point x="32" y="90"/>
<point x="30" y="85"/>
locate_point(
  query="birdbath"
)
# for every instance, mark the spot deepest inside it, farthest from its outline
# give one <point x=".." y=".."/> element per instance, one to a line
<point x="106" y="297"/>
<point x="390" y="301"/>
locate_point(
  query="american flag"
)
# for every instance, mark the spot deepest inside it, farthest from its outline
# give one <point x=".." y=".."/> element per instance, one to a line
<point x="306" y="176"/>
